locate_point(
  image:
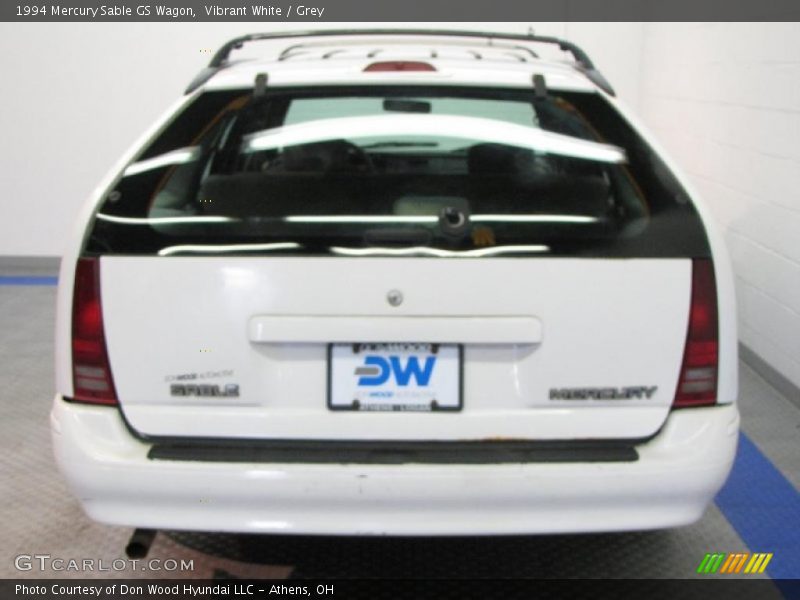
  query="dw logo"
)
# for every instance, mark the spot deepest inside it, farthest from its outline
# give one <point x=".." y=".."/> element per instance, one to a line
<point x="378" y="369"/>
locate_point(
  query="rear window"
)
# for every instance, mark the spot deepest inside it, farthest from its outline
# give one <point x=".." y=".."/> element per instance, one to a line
<point x="398" y="171"/>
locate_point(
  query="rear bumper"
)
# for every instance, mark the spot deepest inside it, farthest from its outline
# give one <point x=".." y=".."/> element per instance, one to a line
<point x="678" y="473"/>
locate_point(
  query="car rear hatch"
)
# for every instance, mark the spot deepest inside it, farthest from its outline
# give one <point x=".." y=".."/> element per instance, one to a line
<point x="552" y="349"/>
<point x="396" y="264"/>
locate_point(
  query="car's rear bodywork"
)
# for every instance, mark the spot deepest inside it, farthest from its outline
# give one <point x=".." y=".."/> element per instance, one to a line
<point x="407" y="295"/>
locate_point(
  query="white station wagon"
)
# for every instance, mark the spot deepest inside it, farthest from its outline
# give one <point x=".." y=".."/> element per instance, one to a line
<point x="396" y="282"/>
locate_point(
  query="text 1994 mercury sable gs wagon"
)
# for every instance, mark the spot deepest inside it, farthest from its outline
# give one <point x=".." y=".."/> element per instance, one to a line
<point x="396" y="282"/>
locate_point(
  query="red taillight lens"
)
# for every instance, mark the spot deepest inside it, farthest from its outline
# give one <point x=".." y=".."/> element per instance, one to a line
<point x="399" y="65"/>
<point x="697" y="385"/>
<point x="91" y="374"/>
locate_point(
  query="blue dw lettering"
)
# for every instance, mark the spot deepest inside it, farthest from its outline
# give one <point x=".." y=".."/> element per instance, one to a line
<point x="380" y="378"/>
<point x="402" y="374"/>
<point x="412" y="368"/>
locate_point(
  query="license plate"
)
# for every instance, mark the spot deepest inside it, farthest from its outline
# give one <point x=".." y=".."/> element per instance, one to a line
<point x="394" y="377"/>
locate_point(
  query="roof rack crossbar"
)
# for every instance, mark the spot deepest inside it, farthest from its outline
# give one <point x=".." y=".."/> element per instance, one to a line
<point x="519" y="57"/>
<point x="289" y="51"/>
<point x="220" y="58"/>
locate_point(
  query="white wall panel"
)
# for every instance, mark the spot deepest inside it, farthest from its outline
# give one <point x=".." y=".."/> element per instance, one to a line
<point x="724" y="98"/>
<point x="75" y="95"/>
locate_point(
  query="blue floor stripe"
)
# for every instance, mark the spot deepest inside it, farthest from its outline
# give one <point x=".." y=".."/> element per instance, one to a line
<point x="27" y="280"/>
<point x="764" y="509"/>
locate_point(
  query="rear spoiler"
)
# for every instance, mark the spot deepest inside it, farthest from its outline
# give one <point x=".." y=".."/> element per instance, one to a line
<point x="220" y="59"/>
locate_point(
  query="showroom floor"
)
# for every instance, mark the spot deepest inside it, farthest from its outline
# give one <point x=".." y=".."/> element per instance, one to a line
<point x="757" y="511"/>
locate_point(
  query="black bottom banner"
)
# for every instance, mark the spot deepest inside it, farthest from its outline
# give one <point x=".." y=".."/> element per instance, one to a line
<point x="217" y="589"/>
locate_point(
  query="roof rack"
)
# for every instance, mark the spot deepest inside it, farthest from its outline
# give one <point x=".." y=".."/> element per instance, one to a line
<point x="220" y="59"/>
<point x="295" y="49"/>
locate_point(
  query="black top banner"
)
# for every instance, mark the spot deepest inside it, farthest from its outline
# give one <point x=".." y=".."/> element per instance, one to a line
<point x="274" y="11"/>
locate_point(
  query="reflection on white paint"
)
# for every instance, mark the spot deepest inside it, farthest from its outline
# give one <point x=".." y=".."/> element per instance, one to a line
<point x="435" y="219"/>
<point x="423" y="250"/>
<point x="162" y="220"/>
<point x="446" y="126"/>
<point x="226" y="248"/>
<point x="360" y="219"/>
<point x="263" y="525"/>
<point x="175" y="157"/>
<point x="533" y="219"/>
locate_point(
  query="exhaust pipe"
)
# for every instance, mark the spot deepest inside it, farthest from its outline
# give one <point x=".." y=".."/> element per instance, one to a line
<point x="140" y="542"/>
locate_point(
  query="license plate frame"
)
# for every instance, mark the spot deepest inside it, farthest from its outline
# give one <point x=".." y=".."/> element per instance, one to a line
<point x="443" y="391"/>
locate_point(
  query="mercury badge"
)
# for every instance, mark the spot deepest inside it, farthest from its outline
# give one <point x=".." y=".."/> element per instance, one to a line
<point x="394" y="297"/>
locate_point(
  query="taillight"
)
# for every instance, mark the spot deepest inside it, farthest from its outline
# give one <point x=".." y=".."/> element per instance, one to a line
<point x="697" y="385"/>
<point x="91" y="374"/>
<point x="399" y="65"/>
